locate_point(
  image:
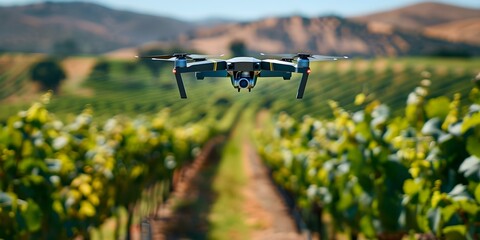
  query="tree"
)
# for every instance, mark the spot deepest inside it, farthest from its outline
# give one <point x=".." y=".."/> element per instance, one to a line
<point x="100" y="71"/>
<point x="48" y="73"/>
<point x="238" y="48"/>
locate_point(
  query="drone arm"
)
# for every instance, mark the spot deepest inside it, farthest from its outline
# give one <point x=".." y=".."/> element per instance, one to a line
<point x="284" y="75"/>
<point x="202" y="75"/>
<point x="203" y="66"/>
<point x="277" y="66"/>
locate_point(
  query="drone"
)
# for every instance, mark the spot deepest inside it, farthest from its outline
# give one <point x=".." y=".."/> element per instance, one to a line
<point x="243" y="71"/>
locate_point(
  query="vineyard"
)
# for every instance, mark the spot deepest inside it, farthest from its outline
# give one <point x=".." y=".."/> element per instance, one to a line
<point x="134" y="90"/>
<point x="370" y="152"/>
<point x="77" y="174"/>
<point x="369" y="174"/>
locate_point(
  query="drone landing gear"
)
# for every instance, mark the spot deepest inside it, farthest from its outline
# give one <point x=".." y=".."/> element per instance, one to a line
<point x="249" y="90"/>
<point x="181" y="87"/>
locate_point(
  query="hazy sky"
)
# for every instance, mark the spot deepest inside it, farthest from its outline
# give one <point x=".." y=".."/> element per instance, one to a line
<point x="254" y="9"/>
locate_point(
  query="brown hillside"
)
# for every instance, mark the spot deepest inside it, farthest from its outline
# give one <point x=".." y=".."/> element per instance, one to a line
<point x="467" y="30"/>
<point x="419" y="16"/>
<point x="92" y="28"/>
<point x="325" y="35"/>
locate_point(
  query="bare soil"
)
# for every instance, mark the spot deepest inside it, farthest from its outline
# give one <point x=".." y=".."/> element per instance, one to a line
<point x="266" y="209"/>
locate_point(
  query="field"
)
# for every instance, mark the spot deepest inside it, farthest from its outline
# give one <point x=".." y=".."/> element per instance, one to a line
<point x="136" y="91"/>
<point x="332" y="152"/>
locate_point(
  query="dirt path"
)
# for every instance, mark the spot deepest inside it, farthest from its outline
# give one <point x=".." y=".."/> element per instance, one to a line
<point x="188" y="213"/>
<point x="184" y="216"/>
<point x="264" y="205"/>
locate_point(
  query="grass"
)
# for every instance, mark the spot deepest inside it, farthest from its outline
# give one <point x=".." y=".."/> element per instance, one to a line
<point x="227" y="217"/>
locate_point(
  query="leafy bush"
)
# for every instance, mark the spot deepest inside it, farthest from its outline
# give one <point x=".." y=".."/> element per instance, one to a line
<point x="48" y="73"/>
<point x="380" y="176"/>
<point x="60" y="179"/>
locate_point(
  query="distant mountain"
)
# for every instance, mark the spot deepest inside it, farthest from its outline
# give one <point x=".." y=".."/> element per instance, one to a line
<point x="83" y="27"/>
<point x="465" y="30"/>
<point x="79" y="27"/>
<point x="325" y="35"/>
<point x="448" y="22"/>
<point x="419" y="16"/>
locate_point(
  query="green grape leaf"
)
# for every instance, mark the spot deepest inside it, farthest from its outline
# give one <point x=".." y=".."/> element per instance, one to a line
<point x="448" y="211"/>
<point x="473" y="146"/>
<point x="366" y="227"/>
<point x="469" y="207"/>
<point x="87" y="209"/>
<point x="436" y="107"/>
<point x="360" y="99"/>
<point x="470" y="121"/>
<point x="410" y="187"/>
<point x="33" y="216"/>
<point x="455" y="232"/>
<point x="477" y="193"/>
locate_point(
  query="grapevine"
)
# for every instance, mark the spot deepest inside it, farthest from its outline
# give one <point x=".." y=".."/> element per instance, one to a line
<point x="383" y="176"/>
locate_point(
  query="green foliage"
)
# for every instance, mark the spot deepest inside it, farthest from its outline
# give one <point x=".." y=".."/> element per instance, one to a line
<point x="61" y="179"/>
<point x="381" y="175"/>
<point x="101" y="70"/>
<point x="48" y="73"/>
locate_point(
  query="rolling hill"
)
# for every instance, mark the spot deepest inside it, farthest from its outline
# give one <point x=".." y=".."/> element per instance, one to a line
<point x="87" y="28"/>
<point x="326" y="35"/>
<point x="90" y="28"/>
<point x="448" y="22"/>
<point x="419" y="16"/>
<point x="465" y="30"/>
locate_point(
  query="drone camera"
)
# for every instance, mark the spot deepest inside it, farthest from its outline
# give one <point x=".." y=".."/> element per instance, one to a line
<point x="243" y="83"/>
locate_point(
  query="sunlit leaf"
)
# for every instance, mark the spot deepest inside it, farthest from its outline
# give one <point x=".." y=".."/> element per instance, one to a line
<point x="455" y="232"/>
<point x="33" y="216"/>
<point x="471" y="121"/>
<point x="410" y="187"/>
<point x="477" y="193"/>
<point x="360" y="99"/>
<point x="87" y="209"/>
<point x="435" y="107"/>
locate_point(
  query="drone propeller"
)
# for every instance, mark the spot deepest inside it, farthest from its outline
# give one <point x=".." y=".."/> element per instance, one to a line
<point x="200" y="57"/>
<point x="311" y="57"/>
<point x="177" y="56"/>
<point x="326" y="58"/>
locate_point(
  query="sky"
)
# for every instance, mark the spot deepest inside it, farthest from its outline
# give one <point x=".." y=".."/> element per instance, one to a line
<point x="192" y="10"/>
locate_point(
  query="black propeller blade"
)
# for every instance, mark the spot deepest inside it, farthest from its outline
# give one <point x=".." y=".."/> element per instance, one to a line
<point x="176" y="56"/>
<point x="311" y="57"/>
